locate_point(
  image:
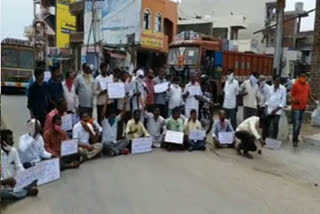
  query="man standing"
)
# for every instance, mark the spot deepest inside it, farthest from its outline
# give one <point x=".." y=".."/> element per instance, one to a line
<point x="300" y="95"/>
<point x="54" y="86"/>
<point x="250" y="92"/>
<point x="69" y="92"/>
<point x="275" y="102"/>
<point x="139" y="92"/>
<point x="175" y="95"/>
<point x="231" y="90"/>
<point x="38" y="98"/>
<point x="150" y="90"/>
<point x="161" y="98"/>
<point x="191" y="100"/>
<point x="84" y="88"/>
<point x="264" y="90"/>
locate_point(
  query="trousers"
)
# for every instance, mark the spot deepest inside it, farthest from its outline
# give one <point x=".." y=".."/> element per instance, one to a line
<point x="247" y="143"/>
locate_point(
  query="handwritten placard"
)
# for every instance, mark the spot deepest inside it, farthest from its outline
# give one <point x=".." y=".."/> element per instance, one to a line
<point x="226" y="137"/>
<point x="273" y="144"/>
<point x="197" y="135"/>
<point x="174" y="137"/>
<point x="51" y="171"/>
<point x="26" y="177"/>
<point x="194" y="90"/>
<point x="69" y="147"/>
<point x="141" y="145"/>
<point x="103" y="84"/>
<point x="116" y="90"/>
<point x="66" y="122"/>
<point x="160" y="88"/>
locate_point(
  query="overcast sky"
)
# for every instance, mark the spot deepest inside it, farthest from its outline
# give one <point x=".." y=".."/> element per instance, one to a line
<point x="16" y="14"/>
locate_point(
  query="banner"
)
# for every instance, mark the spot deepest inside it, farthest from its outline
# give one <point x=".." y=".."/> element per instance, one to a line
<point x="150" y="39"/>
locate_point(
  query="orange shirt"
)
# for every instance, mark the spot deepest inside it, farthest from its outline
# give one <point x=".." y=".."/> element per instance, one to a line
<point x="53" y="140"/>
<point x="301" y="92"/>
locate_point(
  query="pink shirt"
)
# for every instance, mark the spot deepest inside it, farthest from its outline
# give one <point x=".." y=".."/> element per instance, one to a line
<point x="49" y="118"/>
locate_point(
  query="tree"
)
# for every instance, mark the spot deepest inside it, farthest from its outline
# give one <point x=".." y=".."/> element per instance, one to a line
<point x="315" y="71"/>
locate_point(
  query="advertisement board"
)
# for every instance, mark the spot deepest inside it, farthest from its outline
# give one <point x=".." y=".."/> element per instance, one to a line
<point x="150" y="39"/>
<point x="65" y="23"/>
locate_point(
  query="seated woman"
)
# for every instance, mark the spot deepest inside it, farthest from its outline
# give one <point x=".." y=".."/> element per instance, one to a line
<point x="53" y="139"/>
<point x="89" y="146"/>
<point x="221" y="125"/>
<point x="194" y="124"/>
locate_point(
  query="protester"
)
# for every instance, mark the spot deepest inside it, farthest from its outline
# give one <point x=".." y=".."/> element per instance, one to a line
<point x="84" y="88"/>
<point x="161" y="98"/>
<point x="264" y="90"/>
<point x="275" y="102"/>
<point x="175" y="95"/>
<point x="111" y="143"/>
<point x="135" y="128"/>
<point x="89" y="147"/>
<point x="250" y="92"/>
<point x="155" y="126"/>
<point x="231" y="90"/>
<point x="127" y="80"/>
<point x="176" y="124"/>
<point x="300" y="95"/>
<point x="54" y="87"/>
<point x="31" y="145"/>
<point x="191" y="100"/>
<point x="10" y="167"/>
<point x="60" y="110"/>
<point x="193" y="124"/>
<point x="150" y="90"/>
<point x="69" y="92"/>
<point x="38" y="98"/>
<point x="53" y="138"/>
<point x="139" y="92"/>
<point x="247" y="134"/>
<point x="104" y="78"/>
<point x="221" y="125"/>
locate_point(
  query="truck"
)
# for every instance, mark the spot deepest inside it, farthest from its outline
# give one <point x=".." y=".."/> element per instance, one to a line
<point x="17" y="63"/>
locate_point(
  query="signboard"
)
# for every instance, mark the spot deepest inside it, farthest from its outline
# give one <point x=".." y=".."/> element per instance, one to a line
<point x="152" y="39"/>
<point x="65" y="23"/>
<point x="174" y="137"/>
<point x="141" y="145"/>
<point x="69" y="147"/>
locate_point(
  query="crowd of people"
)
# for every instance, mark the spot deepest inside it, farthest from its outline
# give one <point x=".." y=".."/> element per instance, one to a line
<point x="142" y="112"/>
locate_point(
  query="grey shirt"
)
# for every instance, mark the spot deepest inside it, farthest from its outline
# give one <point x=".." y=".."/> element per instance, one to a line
<point x="84" y="91"/>
<point x="161" y="98"/>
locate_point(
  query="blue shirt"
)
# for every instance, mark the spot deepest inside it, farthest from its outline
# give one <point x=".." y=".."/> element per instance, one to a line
<point x="38" y="99"/>
<point x="55" y="90"/>
<point x="219" y="127"/>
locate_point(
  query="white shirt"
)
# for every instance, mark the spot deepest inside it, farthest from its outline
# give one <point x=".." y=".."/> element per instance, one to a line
<point x="264" y="92"/>
<point x="101" y="99"/>
<point x="109" y="133"/>
<point x="154" y="126"/>
<point x="250" y="125"/>
<point x="82" y="135"/>
<point x="231" y="90"/>
<point x="276" y="99"/>
<point x="191" y="101"/>
<point x="10" y="164"/>
<point x="250" y="100"/>
<point x="175" y="96"/>
<point x="71" y="97"/>
<point x="32" y="150"/>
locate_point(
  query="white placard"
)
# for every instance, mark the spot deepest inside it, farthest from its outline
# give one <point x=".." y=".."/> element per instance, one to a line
<point x="197" y="135"/>
<point x="194" y="90"/>
<point x="69" y="147"/>
<point x="67" y="122"/>
<point x="26" y="177"/>
<point x="141" y="145"/>
<point x="103" y="84"/>
<point x="160" y="88"/>
<point x="174" y="137"/>
<point x="51" y="171"/>
<point x="47" y="76"/>
<point x="273" y="144"/>
<point x="116" y="90"/>
<point x="226" y="137"/>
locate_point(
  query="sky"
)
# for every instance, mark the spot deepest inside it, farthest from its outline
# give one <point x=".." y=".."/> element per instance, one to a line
<point x="16" y="14"/>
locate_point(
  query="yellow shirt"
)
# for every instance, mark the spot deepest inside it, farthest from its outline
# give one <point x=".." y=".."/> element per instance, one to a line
<point x="135" y="130"/>
<point x="191" y="126"/>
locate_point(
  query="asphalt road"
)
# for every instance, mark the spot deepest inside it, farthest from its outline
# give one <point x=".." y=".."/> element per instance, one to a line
<point x="278" y="182"/>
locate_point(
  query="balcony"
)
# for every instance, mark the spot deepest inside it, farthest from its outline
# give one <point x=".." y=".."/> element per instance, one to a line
<point x="76" y="8"/>
<point x="76" y="37"/>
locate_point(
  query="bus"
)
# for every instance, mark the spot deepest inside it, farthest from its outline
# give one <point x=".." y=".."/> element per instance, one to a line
<point x="17" y="63"/>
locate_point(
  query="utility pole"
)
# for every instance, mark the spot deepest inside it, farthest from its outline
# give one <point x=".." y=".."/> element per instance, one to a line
<point x="277" y="62"/>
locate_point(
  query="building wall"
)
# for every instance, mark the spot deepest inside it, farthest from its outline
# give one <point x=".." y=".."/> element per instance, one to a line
<point x="289" y="32"/>
<point x="158" y="40"/>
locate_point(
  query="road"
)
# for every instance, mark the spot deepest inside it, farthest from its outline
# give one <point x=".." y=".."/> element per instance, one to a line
<point x="218" y="181"/>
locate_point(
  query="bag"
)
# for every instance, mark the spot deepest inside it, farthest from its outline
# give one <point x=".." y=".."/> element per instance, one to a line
<point x="315" y="117"/>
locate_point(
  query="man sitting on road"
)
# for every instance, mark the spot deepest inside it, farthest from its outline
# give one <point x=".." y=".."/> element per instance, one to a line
<point x="60" y="110"/>
<point x="53" y="138"/>
<point x="31" y="145"/>
<point x="88" y="138"/>
<point x="221" y="125"/>
<point x="111" y="144"/>
<point x="193" y="124"/>
<point x="135" y="128"/>
<point x="10" y="166"/>
<point x="247" y="133"/>
<point x="175" y="123"/>
<point x="156" y="126"/>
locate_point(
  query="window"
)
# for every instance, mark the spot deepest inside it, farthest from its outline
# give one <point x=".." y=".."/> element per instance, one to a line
<point x="146" y="20"/>
<point x="158" y="23"/>
<point x="9" y="58"/>
<point x="26" y="59"/>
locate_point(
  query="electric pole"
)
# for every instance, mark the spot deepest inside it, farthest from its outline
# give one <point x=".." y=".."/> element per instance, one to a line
<point x="277" y="62"/>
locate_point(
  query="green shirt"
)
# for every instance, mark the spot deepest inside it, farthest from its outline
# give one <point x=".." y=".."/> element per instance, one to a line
<point x="175" y="125"/>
